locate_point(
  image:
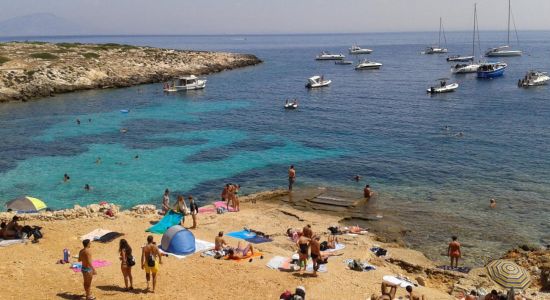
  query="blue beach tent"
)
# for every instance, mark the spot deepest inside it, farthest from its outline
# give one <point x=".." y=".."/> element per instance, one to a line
<point x="178" y="240"/>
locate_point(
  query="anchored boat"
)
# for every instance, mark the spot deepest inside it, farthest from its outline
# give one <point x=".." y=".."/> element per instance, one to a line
<point x="443" y="87"/>
<point x="327" y="56"/>
<point x="317" y="81"/>
<point x="491" y="70"/>
<point x="358" y="50"/>
<point x="534" y="78"/>
<point x="438" y="49"/>
<point x="185" y="83"/>
<point x="368" y="65"/>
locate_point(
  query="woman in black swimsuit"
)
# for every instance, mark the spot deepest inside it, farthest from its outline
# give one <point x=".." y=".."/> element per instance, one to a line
<point x="303" y="247"/>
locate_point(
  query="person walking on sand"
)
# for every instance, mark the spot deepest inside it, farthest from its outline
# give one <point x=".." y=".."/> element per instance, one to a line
<point x="181" y="207"/>
<point x="291" y="177"/>
<point x="126" y="263"/>
<point x="454" y="251"/>
<point x="315" y="246"/>
<point x="149" y="253"/>
<point x="166" y="202"/>
<point x="194" y="211"/>
<point x="88" y="270"/>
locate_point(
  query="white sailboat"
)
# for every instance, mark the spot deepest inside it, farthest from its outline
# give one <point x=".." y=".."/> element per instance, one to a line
<point x="505" y="51"/>
<point x="469" y="67"/>
<point x="438" y="49"/>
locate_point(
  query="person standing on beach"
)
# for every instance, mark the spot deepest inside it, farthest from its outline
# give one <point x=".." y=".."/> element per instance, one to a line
<point x="236" y="197"/>
<point x="166" y="202"/>
<point x="315" y="253"/>
<point x="367" y="193"/>
<point x="291" y="177"/>
<point x="88" y="270"/>
<point x="149" y="253"/>
<point x="126" y="263"/>
<point x="181" y="208"/>
<point x="454" y="252"/>
<point x="231" y="196"/>
<point x="194" y="210"/>
<point x="303" y="248"/>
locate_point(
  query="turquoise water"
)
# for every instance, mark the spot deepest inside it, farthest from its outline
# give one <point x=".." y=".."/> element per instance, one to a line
<point x="380" y="124"/>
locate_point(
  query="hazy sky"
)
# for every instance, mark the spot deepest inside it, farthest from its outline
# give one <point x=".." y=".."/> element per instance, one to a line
<point x="282" y="16"/>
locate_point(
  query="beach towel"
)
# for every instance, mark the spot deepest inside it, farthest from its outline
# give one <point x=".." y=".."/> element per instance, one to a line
<point x="249" y="255"/>
<point x="336" y="248"/>
<point x="200" y="246"/>
<point x="464" y="270"/>
<point x="258" y="239"/>
<point x="278" y="262"/>
<point x="322" y="268"/>
<point x="209" y="209"/>
<point x="95" y="235"/>
<point x="170" y="219"/>
<point x="5" y="243"/>
<point x="77" y="267"/>
<point x="243" y="234"/>
<point x="224" y="205"/>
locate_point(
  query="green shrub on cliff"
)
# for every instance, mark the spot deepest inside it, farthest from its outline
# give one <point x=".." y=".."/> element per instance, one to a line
<point x="90" y="55"/>
<point x="69" y="45"/>
<point x="3" y="59"/>
<point x="112" y="46"/>
<point x="44" y="55"/>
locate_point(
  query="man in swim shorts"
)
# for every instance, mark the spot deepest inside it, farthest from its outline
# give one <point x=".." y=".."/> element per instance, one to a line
<point x="291" y="177"/>
<point x="315" y="246"/>
<point x="219" y="242"/>
<point x="149" y="263"/>
<point x="88" y="270"/>
<point x="454" y="252"/>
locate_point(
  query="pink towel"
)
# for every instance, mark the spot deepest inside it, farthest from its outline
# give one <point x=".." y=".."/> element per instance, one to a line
<point x="223" y="204"/>
<point x="77" y="267"/>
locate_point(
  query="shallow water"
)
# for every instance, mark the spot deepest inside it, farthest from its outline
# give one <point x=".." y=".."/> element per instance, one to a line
<point x="380" y="124"/>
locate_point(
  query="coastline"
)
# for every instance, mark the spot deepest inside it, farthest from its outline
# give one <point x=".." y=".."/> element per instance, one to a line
<point x="31" y="70"/>
<point x="197" y="275"/>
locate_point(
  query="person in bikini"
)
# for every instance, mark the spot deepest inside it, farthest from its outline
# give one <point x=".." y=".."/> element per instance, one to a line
<point x="240" y="252"/>
<point x="414" y="295"/>
<point x="291" y="177"/>
<point x="454" y="252"/>
<point x="149" y="263"/>
<point x="386" y="294"/>
<point x="88" y="270"/>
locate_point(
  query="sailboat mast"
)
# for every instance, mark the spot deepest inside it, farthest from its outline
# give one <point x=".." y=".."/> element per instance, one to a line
<point x="440" y="24"/>
<point x="509" y="13"/>
<point x="474" y="33"/>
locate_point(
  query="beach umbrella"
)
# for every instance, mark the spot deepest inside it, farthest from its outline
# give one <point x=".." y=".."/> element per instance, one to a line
<point x="508" y="274"/>
<point x="26" y="203"/>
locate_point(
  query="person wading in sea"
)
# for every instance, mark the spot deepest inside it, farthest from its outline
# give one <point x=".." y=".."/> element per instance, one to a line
<point x="454" y="252"/>
<point x="291" y="177"/>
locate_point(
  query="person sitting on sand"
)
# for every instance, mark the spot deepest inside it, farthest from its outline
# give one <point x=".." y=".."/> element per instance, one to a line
<point x="332" y="241"/>
<point x="303" y="247"/>
<point x="240" y="252"/>
<point x="414" y="295"/>
<point x="3" y="226"/>
<point x="13" y="229"/>
<point x="471" y="296"/>
<point x="149" y="253"/>
<point x="493" y="295"/>
<point x="219" y="243"/>
<point x="454" y="252"/>
<point x="386" y="294"/>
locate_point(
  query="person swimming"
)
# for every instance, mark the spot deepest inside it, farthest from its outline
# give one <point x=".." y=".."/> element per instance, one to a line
<point x="492" y="203"/>
<point x="87" y="187"/>
<point x="66" y="177"/>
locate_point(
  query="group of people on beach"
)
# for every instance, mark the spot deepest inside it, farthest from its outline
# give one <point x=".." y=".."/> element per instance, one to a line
<point x="181" y="207"/>
<point x="230" y="195"/>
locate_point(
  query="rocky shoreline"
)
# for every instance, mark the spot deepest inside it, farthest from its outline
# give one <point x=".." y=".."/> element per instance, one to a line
<point x="36" y="69"/>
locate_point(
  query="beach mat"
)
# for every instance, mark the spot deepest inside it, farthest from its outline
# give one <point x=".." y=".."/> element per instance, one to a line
<point x="258" y="239"/>
<point x="243" y="234"/>
<point x="224" y="205"/>
<point x="109" y="237"/>
<point x="5" y="243"/>
<point x="170" y="219"/>
<point x="77" y="267"/>
<point x="464" y="270"/>
<point x="95" y="234"/>
<point x="336" y="248"/>
<point x="200" y="246"/>
<point x="209" y="209"/>
<point x="283" y="264"/>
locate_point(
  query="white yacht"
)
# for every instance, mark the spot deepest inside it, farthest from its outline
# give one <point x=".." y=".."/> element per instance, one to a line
<point x="358" y="50"/>
<point x="534" y="78"/>
<point x="317" y="81"/>
<point x="443" y="87"/>
<point x="505" y="51"/>
<point x="343" y="62"/>
<point x="438" y="49"/>
<point x="368" y="65"/>
<point x="184" y="83"/>
<point x="291" y="104"/>
<point x="327" y="56"/>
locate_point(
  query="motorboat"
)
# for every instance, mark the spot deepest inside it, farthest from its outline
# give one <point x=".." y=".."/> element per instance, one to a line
<point x="368" y="65"/>
<point x="491" y="70"/>
<point x="465" y="68"/>
<point x="502" y="51"/>
<point x="327" y="56"/>
<point x="317" y="81"/>
<point x="505" y="51"/>
<point x="358" y="50"/>
<point x="292" y="104"/>
<point x="534" y="78"/>
<point x="184" y="83"/>
<point x="443" y="87"/>
<point x="459" y="58"/>
<point x="438" y="49"/>
<point x="343" y="62"/>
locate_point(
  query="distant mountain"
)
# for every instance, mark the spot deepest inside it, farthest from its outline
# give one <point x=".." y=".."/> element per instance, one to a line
<point x="39" y="25"/>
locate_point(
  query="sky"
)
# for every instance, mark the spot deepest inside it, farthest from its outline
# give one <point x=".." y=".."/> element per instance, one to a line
<point x="282" y="16"/>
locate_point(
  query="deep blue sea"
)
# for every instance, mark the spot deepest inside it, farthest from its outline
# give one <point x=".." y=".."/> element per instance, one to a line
<point x="380" y="124"/>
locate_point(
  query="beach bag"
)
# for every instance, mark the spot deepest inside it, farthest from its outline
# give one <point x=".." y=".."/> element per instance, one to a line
<point x="36" y="233"/>
<point x="286" y="295"/>
<point x="220" y="210"/>
<point x="323" y="246"/>
<point x="355" y="265"/>
<point x="151" y="261"/>
<point x="130" y="261"/>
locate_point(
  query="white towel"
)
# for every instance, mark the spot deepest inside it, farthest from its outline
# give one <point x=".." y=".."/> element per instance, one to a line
<point x="336" y="248"/>
<point x="276" y="262"/>
<point x="5" y="243"/>
<point x="200" y="246"/>
<point x="95" y="235"/>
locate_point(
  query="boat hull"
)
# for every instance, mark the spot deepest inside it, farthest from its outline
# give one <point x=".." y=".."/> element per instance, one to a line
<point x="310" y="85"/>
<point x="445" y="89"/>
<point x="461" y="58"/>
<point x="362" y="51"/>
<point x="435" y="51"/>
<point x="465" y="69"/>
<point x="503" y="53"/>
<point x="491" y="74"/>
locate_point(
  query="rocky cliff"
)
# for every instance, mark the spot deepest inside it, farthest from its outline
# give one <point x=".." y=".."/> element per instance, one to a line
<point x="35" y="69"/>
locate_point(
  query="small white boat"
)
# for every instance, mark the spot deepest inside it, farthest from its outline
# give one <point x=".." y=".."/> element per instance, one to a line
<point x="502" y="51"/>
<point x="443" y="87"/>
<point x="184" y="83"/>
<point x="343" y="62"/>
<point x="534" y="78"/>
<point x="460" y="58"/>
<point x="327" y="56"/>
<point x="368" y="65"/>
<point x="465" y="68"/>
<point x="291" y="105"/>
<point x="358" y="50"/>
<point x="317" y="81"/>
